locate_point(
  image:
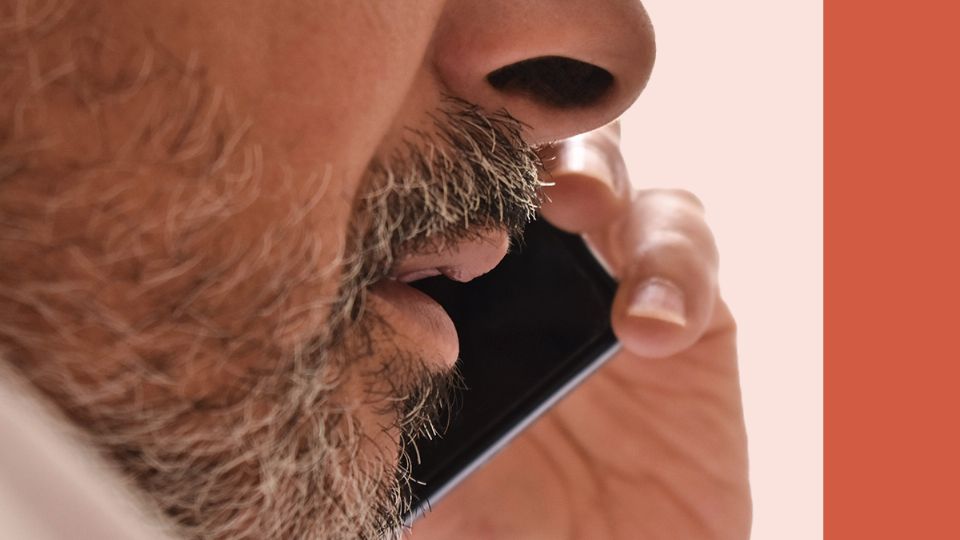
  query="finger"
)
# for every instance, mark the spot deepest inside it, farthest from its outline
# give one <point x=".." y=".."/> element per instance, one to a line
<point x="590" y="187"/>
<point x="666" y="259"/>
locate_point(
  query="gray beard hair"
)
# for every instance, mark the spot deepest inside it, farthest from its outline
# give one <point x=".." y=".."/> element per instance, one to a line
<point x="473" y="175"/>
<point x="230" y="408"/>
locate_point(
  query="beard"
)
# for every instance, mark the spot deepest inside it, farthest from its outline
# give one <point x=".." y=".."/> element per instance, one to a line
<point x="210" y="363"/>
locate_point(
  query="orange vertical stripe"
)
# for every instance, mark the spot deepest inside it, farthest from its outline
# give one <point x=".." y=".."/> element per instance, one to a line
<point x="892" y="282"/>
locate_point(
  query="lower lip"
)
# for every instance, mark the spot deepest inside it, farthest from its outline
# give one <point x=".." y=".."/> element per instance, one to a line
<point x="421" y="320"/>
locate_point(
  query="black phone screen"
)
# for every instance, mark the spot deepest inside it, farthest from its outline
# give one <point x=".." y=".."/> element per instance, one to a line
<point x="529" y="330"/>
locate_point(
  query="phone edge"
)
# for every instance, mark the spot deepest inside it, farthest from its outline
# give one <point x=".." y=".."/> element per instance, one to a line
<point x="424" y="506"/>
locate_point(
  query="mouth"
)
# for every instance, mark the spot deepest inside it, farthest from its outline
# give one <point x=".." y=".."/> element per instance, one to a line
<point x="418" y="317"/>
<point x="462" y="262"/>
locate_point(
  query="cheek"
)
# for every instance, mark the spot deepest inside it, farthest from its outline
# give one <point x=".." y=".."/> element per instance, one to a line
<point x="167" y="274"/>
<point x="322" y="89"/>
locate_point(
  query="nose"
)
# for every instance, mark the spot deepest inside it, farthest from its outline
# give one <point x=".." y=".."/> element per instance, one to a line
<point x="561" y="67"/>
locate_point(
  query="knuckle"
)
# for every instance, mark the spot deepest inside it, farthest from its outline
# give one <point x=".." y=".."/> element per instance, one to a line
<point x="675" y="196"/>
<point x="688" y="198"/>
<point x="679" y="249"/>
<point x="669" y="244"/>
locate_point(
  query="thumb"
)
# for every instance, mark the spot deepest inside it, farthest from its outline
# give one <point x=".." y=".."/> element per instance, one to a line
<point x="590" y="187"/>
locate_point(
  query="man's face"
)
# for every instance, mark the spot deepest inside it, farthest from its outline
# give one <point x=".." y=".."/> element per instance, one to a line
<point x="208" y="211"/>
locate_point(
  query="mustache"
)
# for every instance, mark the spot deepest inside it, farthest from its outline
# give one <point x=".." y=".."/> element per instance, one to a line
<point x="473" y="173"/>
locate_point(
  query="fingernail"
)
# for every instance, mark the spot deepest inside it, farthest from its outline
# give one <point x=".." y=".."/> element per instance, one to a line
<point x="659" y="299"/>
<point x="581" y="157"/>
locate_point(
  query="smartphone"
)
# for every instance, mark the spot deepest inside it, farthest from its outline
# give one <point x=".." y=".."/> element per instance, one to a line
<point x="530" y="331"/>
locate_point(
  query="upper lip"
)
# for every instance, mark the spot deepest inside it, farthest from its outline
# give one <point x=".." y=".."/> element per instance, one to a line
<point x="463" y="261"/>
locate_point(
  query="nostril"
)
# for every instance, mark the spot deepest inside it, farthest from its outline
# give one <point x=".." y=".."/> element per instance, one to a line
<point x="555" y="81"/>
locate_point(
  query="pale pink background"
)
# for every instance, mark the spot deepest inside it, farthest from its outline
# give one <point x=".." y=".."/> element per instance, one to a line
<point x="733" y="113"/>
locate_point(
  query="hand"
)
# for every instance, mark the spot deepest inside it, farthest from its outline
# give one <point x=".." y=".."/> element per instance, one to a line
<point x="653" y="445"/>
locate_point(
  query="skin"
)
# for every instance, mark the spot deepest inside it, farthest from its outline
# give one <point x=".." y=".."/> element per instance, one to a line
<point x="653" y="445"/>
<point x="354" y="79"/>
